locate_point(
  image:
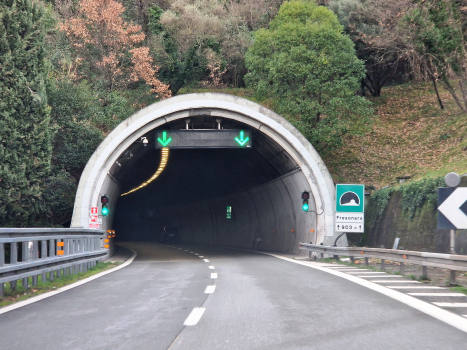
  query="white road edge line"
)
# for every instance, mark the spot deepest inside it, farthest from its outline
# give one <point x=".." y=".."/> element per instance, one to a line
<point x="214" y="275"/>
<point x="194" y="316"/>
<point x="68" y="287"/>
<point x="448" y="317"/>
<point x="210" y="289"/>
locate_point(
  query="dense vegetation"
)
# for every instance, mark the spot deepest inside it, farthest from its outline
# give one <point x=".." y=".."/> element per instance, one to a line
<point x="71" y="70"/>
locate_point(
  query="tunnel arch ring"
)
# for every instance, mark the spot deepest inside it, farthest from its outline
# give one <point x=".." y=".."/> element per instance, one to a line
<point x="221" y="105"/>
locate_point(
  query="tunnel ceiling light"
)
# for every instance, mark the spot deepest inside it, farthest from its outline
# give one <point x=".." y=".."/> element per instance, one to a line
<point x="164" y="159"/>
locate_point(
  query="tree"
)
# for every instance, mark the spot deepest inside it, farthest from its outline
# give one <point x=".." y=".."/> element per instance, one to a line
<point x="306" y="64"/>
<point x="437" y="30"/>
<point x="110" y="49"/>
<point x="25" y="135"/>
<point x="373" y="27"/>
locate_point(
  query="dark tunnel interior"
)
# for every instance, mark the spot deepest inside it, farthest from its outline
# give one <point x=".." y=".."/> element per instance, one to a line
<point x="197" y="185"/>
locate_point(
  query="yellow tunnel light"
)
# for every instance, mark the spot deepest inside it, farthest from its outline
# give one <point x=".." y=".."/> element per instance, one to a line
<point x="163" y="163"/>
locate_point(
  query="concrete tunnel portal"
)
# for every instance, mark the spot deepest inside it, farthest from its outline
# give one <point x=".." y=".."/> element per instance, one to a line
<point x="261" y="184"/>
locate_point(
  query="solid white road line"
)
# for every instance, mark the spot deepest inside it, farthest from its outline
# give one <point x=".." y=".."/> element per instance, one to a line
<point x="210" y="289"/>
<point x="68" y="287"/>
<point x="415" y="287"/>
<point x="211" y="267"/>
<point x="437" y="294"/>
<point x="205" y="260"/>
<point x="214" y="275"/>
<point x="445" y="316"/>
<point x="194" y="317"/>
<point x="360" y="272"/>
<point x="451" y="304"/>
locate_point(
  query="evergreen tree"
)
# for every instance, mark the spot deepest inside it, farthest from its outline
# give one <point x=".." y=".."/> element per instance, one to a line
<point x="306" y="64"/>
<point x="25" y="135"/>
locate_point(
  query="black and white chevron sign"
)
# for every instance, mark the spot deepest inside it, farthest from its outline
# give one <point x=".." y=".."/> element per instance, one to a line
<point x="452" y="208"/>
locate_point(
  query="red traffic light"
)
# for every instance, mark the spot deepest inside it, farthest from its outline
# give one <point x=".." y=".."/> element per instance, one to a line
<point x="305" y="195"/>
<point x="104" y="199"/>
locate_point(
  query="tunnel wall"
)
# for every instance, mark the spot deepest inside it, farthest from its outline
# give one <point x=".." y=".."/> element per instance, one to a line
<point x="268" y="217"/>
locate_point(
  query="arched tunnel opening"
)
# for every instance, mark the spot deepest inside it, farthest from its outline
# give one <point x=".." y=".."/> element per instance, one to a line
<point x="261" y="186"/>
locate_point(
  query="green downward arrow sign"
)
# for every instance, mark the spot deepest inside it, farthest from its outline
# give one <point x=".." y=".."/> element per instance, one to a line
<point x="242" y="141"/>
<point x="164" y="142"/>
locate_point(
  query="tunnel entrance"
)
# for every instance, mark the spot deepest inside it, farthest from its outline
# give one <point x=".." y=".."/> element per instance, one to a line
<point x="261" y="186"/>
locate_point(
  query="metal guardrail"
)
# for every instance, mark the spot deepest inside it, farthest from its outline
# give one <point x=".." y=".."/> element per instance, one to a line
<point x="48" y="252"/>
<point x="451" y="262"/>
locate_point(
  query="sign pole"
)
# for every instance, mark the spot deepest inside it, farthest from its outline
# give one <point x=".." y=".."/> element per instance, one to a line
<point x="453" y="241"/>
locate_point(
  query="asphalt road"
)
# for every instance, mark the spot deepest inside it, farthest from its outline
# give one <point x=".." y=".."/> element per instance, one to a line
<point x="259" y="302"/>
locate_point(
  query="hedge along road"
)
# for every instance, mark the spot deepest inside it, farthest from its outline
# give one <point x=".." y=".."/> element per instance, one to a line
<point x="202" y="297"/>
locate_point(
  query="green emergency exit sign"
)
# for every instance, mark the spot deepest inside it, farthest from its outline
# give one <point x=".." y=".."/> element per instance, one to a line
<point x="229" y="212"/>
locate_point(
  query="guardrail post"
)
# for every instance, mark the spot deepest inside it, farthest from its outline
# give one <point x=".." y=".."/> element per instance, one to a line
<point x="383" y="268"/>
<point x="453" y="277"/>
<point x="51" y="247"/>
<point x="25" y="258"/>
<point x="2" y="262"/>
<point x="13" y="253"/>
<point x="13" y="260"/>
<point x="35" y="256"/>
<point x="402" y="268"/>
<point x="2" y="254"/>
<point x="367" y="263"/>
<point x="425" y="271"/>
<point x="43" y="249"/>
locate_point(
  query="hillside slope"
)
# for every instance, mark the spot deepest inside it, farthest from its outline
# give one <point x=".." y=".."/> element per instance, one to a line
<point x="411" y="136"/>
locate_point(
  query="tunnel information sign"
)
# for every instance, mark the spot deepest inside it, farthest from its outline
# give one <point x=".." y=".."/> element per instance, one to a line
<point x="350" y="208"/>
<point x="204" y="138"/>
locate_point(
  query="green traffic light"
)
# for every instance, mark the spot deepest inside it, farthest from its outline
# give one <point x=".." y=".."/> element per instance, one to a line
<point x="105" y="210"/>
<point x="305" y="206"/>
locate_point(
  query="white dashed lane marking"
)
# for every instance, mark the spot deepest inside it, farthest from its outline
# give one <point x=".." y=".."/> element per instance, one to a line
<point x="196" y="254"/>
<point x="194" y="317"/>
<point x="200" y="256"/>
<point x="211" y="267"/>
<point x="213" y="275"/>
<point x="210" y="289"/>
<point x="437" y="294"/>
<point x="415" y="287"/>
<point x="380" y="276"/>
<point x="205" y="260"/>
<point x="451" y="304"/>
<point x="394" y="281"/>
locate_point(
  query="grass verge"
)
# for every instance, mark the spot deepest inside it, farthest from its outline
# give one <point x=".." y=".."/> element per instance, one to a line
<point x="459" y="289"/>
<point x="22" y="293"/>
